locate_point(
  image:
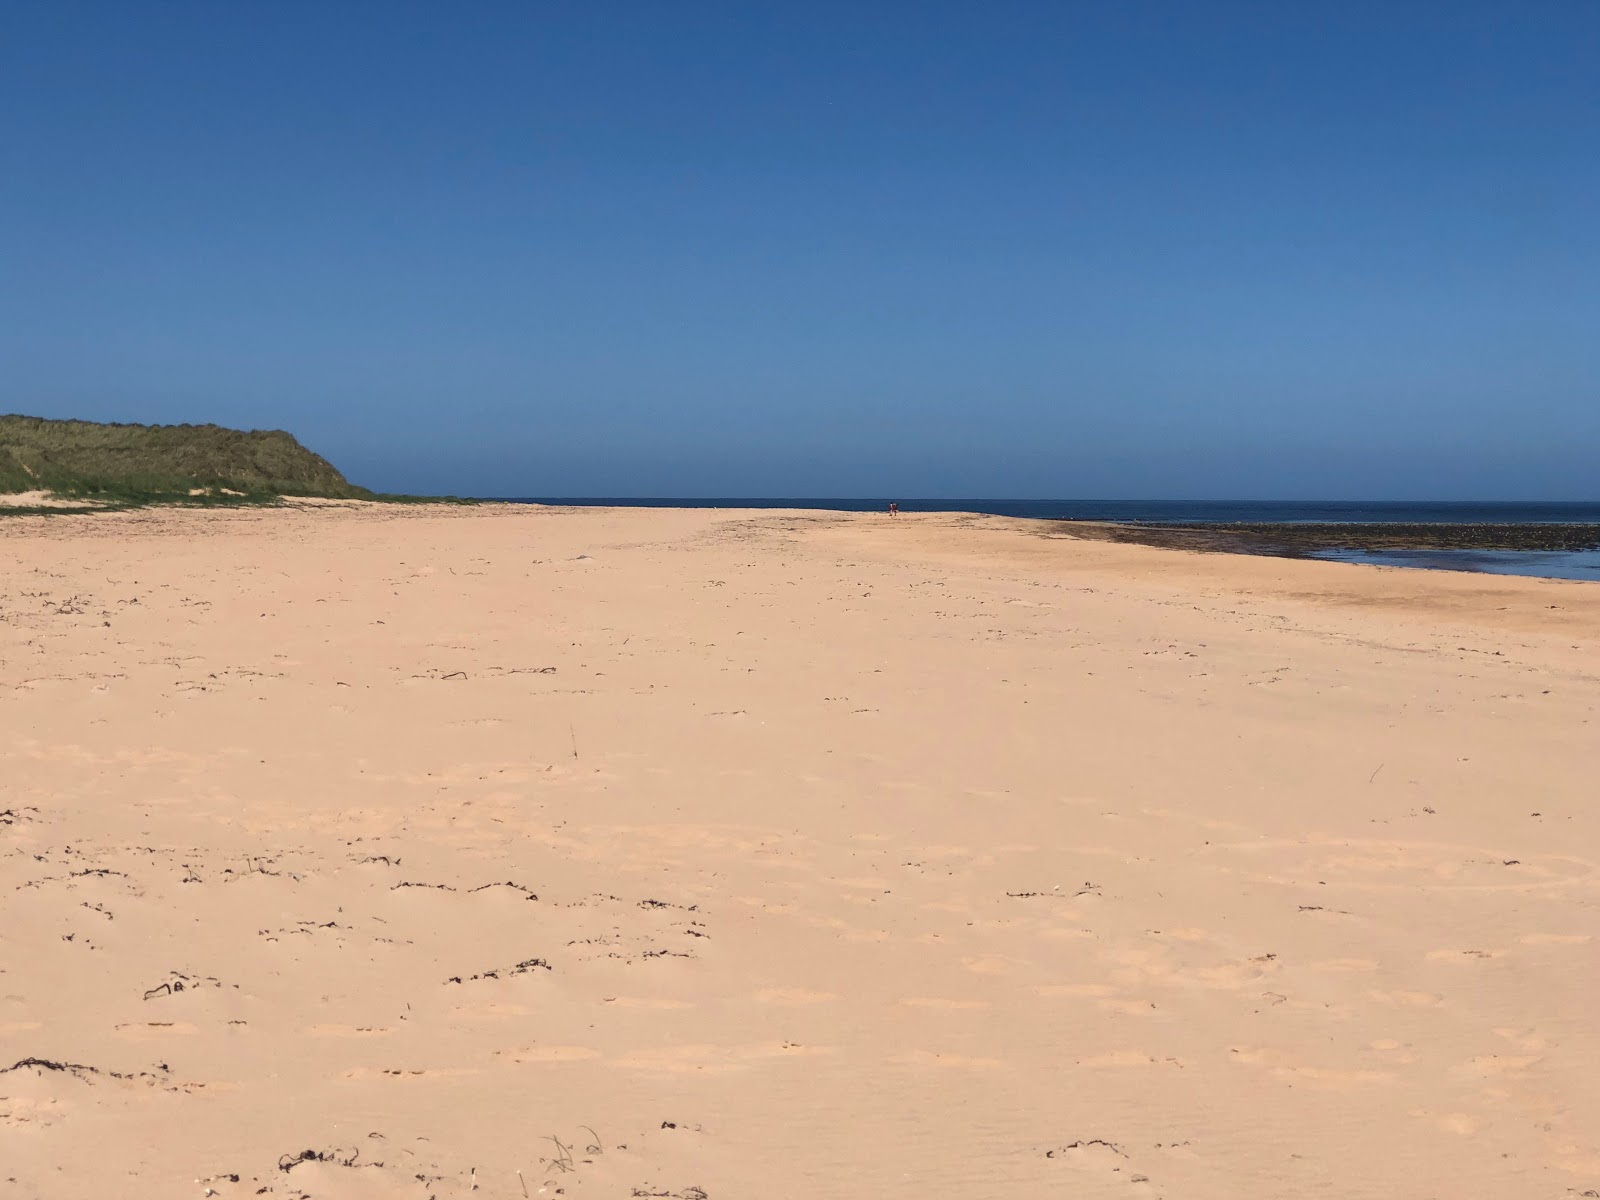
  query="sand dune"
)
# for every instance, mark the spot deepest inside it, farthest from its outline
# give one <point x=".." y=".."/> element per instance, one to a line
<point x="372" y="851"/>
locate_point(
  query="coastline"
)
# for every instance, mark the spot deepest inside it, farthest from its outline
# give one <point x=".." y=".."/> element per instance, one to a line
<point x="1539" y="539"/>
<point x="1298" y="539"/>
<point x="785" y="852"/>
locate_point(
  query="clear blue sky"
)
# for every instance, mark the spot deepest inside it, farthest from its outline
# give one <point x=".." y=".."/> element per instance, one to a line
<point x="1129" y="248"/>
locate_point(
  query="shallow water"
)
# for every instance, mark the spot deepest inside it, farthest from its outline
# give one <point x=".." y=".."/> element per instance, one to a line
<point x="1548" y="564"/>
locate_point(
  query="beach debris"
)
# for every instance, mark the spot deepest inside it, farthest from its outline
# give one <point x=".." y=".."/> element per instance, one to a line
<point x="182" y="983"/>
<point x="101" y="871"/>
<point x="78" y="1070"/>
<point x="527" y="892"/>
<point x="522" y="968"/>
<point x="1085" y="1144"/>
<point x="288" y="1162"/>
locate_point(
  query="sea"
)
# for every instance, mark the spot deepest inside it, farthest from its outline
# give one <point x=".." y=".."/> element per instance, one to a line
<point x="1565" y="564"/>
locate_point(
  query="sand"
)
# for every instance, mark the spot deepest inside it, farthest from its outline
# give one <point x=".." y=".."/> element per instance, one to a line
<point x="42" y="499"/>
<point x="372" y="851"/>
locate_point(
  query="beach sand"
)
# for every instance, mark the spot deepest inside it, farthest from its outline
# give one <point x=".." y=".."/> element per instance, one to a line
<point x="369" y="851"/>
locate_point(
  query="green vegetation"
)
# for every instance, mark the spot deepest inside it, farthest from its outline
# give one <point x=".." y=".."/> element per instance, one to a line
<point x="139" y="464"/>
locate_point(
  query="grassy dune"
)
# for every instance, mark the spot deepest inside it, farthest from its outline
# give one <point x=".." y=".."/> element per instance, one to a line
<point x="143" y="463"/>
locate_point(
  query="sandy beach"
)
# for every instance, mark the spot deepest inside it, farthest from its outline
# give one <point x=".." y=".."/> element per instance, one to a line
<point x="370" y="851"/>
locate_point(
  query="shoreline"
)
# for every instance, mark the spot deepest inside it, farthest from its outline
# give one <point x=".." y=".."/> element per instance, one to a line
<point x="1285" y="539"/>
<point x="1282" y="541"/>
<point x="1277" y="538"/>
<point x="1326" y="540"/>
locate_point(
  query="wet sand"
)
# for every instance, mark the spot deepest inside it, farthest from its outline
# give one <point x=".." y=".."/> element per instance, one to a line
<point x="359" y="851"/>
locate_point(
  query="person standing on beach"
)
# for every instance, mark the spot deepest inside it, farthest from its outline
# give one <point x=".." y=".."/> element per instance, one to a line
<point x="894" y="509"/>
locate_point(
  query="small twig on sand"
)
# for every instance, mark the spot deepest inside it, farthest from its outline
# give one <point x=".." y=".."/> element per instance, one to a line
<point x="523" y="1182"/>
<point x="1375" y="771"/>
<point x="574" y="734"/>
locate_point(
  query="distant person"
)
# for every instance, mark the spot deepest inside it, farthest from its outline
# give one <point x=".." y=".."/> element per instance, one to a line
<point x="894" y="509"/>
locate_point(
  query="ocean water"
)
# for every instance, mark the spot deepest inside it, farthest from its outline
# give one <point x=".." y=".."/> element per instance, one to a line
<point x="1573" y="564"/>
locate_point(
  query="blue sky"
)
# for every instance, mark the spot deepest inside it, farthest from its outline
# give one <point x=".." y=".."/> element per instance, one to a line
<point x="1138" y="249"/>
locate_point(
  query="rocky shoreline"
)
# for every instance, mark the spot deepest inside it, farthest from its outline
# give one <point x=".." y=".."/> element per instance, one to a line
<point x="1299" y="540"/>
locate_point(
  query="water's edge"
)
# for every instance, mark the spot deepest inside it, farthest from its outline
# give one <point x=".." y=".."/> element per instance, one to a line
<point x="1181" y="512"/>
<point x="1538" y="538"/>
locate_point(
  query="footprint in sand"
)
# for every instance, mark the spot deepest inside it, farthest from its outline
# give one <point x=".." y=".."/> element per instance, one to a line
<point x="938" y="1002"/>
<point x="1122" y="1059"/>
<point x="1132" y="1008"/>
<point x="1074" y="989"/>
<point x="549" y="1054"/>
<point x="659" y="1003"/>
<point x="1395" y="1052"/>
<point x="1407" y="999"/>
<point x="957" y="1062"/>
<point x="1420" y="865"/>
<point x="1523" y="1039"/>
<point x="1555" y="939"/>
<point x="791" y="997"/>
<point x="145" y="1031"/>
<point x="1497" y="1066"/>
<point x="1067" y="935"/>
<point x="714" y="1059"/>
<point x="1143" y="967"/>
<point x="409" y="1074"/>
<point x="39" y="1111"/>
<point x="1460" y="1123"/>
<point x="987" y="965"/>
<point x="1281" y="1066"/>
<point x="490" y="1011"/>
